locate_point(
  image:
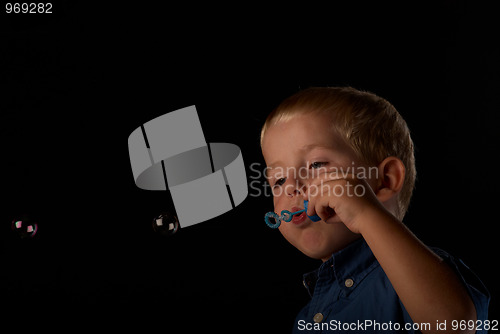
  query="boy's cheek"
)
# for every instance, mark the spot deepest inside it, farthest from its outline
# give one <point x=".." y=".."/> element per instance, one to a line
<point x="278" y="202"/>
<point x="287" y="232"/>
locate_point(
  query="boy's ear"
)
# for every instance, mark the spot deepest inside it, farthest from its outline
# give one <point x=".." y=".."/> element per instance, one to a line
<point x="392" y="176"/>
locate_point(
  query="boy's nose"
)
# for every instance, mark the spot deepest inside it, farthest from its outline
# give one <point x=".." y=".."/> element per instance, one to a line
<point x="292" y="192"/>
<point x="296" y="188"/>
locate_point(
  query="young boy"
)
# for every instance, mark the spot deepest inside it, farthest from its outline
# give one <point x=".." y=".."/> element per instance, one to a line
<point x="349" y="153"/>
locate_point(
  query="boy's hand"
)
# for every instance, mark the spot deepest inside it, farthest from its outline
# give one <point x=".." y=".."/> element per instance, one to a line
<point x="348" y="199"/>
<point x="401" y="255"/>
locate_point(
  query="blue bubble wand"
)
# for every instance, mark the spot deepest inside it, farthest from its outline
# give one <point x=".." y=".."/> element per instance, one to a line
<point x="287" y="216"/>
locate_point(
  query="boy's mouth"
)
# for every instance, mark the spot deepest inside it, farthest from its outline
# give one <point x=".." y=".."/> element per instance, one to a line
<point x="298" y="218"/>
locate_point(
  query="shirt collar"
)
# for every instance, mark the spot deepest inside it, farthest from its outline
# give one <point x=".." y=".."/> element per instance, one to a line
<point x="348" y="267"/>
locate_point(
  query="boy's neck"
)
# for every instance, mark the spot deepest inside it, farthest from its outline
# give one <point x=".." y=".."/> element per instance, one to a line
<point x="343" y="245"/>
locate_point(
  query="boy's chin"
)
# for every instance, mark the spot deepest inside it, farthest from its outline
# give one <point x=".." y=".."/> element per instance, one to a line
<point x="315" y="245"/>
<point x="319" y="246"/>
<point x="317" y="255"/>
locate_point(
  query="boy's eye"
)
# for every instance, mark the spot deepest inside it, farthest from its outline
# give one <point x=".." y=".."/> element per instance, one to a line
<point x="279" y="182"/>
<point x="317" y="164"/>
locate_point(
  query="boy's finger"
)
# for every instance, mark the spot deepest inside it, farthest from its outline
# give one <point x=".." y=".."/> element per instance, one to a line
<point x="325" y="212"/>
<point x="311" y="210"/>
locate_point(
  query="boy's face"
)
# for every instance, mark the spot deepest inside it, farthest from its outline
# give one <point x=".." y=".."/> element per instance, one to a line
<point x="296" y="152"/>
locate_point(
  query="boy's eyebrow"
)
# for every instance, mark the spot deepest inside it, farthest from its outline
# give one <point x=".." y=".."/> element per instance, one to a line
<point x="311" y="146"/>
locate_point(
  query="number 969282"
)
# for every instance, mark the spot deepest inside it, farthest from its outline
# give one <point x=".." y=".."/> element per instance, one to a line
<point x="28" y="8"/>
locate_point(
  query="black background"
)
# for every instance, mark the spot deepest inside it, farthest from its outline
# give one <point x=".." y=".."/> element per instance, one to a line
<point x="76" y="83"/>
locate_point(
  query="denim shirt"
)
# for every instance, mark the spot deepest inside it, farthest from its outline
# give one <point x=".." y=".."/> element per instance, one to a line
<point x="351" y="293"/>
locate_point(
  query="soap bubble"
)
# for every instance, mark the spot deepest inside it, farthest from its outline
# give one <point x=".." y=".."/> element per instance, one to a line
<point x="25" y="227"/>
<point x="166" y="224"/>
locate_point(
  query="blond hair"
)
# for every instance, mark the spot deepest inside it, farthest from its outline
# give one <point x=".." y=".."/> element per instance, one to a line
<point x="369" y="124"/>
